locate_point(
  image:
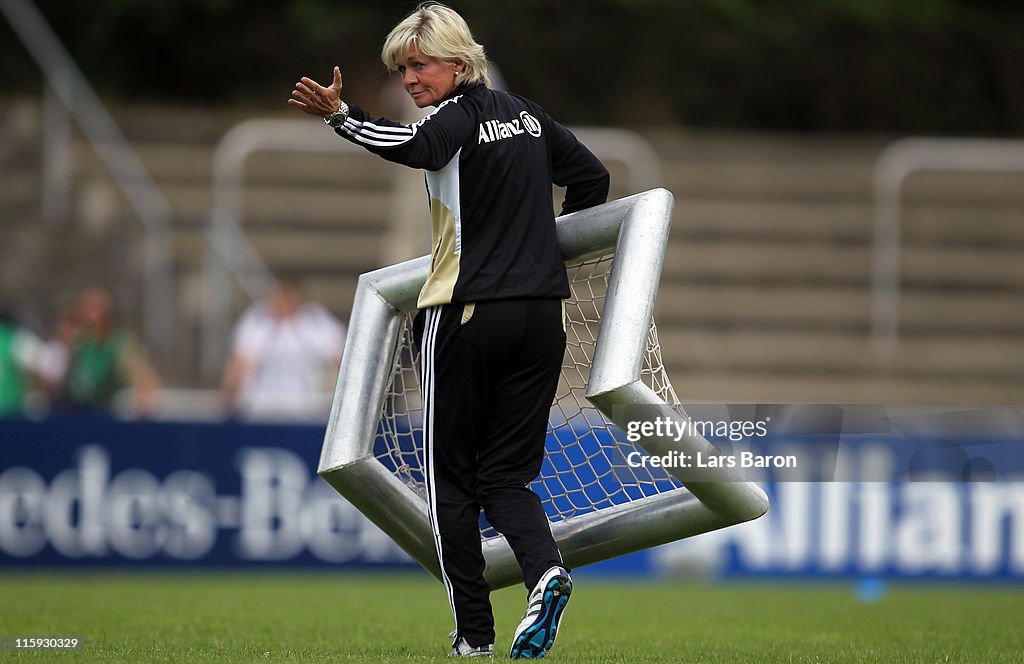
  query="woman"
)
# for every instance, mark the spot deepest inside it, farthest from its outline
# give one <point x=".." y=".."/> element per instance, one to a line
<point x="492" y="332"/>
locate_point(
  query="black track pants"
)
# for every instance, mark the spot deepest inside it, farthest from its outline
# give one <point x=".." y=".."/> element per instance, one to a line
<point x="489" y="373"/>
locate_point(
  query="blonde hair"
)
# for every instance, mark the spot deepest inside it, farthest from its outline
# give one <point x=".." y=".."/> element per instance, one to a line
<point x="438" y="32"/>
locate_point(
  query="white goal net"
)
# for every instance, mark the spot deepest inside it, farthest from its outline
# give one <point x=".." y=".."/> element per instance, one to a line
<point x="585" y="468"/>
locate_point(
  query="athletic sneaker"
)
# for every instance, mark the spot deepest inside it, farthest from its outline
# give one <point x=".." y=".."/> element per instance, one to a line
<point x="462" y="649"/>
<point x="536" y="633"/>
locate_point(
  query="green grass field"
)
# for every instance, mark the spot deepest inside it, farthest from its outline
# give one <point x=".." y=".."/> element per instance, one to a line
<point x="243" y="617"/>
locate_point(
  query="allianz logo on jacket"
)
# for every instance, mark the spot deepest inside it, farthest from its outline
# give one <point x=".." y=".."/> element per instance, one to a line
<point x="496" y="130"/>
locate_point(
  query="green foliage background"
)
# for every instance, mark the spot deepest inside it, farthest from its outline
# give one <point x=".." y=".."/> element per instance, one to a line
<point x="926" y="66"/>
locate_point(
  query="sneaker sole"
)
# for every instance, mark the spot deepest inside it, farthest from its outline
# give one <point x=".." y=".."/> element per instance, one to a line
<point x="537" y="639"/>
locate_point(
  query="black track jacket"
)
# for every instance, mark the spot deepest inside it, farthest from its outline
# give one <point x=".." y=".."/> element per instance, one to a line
<point x="490" y="159"/>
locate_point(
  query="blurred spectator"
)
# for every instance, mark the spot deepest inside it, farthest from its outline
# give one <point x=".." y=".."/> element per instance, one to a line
<point x="23" y="361"/>
<point x="284" y="358"/>
<point x="103" y="359"/>
<point x="56" y="366"/>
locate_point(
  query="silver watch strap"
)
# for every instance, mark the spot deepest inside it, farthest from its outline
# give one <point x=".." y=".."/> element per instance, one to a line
<point x="338" y="118"/>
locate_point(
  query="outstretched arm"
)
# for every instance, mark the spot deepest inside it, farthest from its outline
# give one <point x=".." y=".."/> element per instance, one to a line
<point x="430" y="143"/>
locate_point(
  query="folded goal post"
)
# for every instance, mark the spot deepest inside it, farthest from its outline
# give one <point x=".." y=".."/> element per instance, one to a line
<point x="600" y="505"/>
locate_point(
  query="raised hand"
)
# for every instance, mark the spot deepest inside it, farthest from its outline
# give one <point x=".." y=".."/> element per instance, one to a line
<point x="315" y="99"/>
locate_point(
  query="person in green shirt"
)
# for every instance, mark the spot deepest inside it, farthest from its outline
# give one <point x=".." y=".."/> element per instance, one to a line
<point x="12" y="378"/>
<point x="105" y="359"/>
<point x="22" y="355"/>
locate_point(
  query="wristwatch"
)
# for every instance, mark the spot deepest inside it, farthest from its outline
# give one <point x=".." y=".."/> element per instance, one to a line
<point x="337" y="118"/>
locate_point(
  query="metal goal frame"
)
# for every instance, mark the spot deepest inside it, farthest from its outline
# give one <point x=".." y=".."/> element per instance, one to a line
<point x="635" y="229"/>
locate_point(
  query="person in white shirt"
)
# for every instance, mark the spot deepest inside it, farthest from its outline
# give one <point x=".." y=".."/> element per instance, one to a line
<point x="284" y="359"/>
